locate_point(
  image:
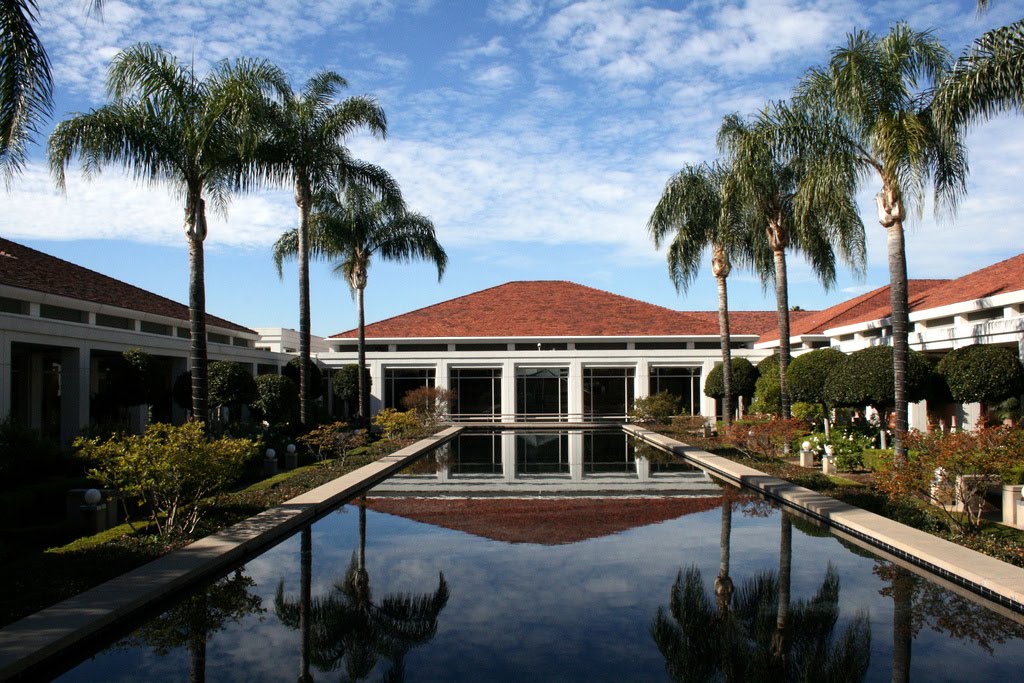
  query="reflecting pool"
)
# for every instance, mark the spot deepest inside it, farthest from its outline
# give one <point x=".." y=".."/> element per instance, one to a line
<point x="715" y="585"/>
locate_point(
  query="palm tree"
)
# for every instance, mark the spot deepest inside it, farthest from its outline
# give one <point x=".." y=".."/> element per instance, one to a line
<point x="816" y="223"/>
<point x="697" y="210"/>
<point x="168" y="127"/>
<point x="352" y="225"/>
<point x="305" y="148"/>
<point x="874" y="95"/>
<point x="987" y="79"/>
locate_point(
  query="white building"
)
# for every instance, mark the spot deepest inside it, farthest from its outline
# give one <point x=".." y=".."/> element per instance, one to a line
<point x="60" y="324"/>
<point x="547" y="350"/>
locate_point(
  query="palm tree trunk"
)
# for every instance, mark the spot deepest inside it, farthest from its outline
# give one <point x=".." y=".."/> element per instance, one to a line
<point x="305" y="599"/>
<point x="302" y="198"/>
<point x="900" y="343"/>
<point x="723" y="332"/>
<point x="195" y="229"/>
<point x="890" y="216"/>
<point x="364" y="391"/>
<point x="197" y="638"/>
<point x="782" y="304"/>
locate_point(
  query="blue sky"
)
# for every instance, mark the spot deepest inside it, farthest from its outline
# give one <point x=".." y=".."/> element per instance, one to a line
<point x="537" y="135"/>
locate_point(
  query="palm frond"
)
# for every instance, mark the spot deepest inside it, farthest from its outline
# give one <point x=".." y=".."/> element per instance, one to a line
<point x="26" y="84"/>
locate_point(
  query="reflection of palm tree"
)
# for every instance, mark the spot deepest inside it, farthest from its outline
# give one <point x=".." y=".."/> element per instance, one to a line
<point x="723" y="582"/>
<point x="348" y="628"/>
<point x="191" y="622"/>
<point x="701" y="643"/>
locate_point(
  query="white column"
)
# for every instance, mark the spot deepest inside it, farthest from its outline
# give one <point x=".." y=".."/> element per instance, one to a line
<point x="5" y="375"/>
<point x="707" y="404"/>
<point x="508" y="392"/>
<point x="643" y="468"/>
<point x="642" y="381"/>
<point x="575" y="391"/>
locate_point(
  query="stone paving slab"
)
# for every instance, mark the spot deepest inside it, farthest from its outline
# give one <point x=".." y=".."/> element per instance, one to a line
<point x="993" y="578"/>
<point x="27" y="643"/>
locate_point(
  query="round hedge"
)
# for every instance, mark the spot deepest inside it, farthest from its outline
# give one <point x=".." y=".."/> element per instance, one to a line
<point x="316" y="377"/>
<point x="231" y="384"/>
<point x="346" y="382"/>
<point x="277" y="399"/>
<point x="982" y="374"/>
<point x="865" y="378"/>
<point x="744" y="378"/>
<point x="806" y="375"/>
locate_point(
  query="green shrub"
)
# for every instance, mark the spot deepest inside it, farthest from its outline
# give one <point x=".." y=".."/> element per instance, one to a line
<point x="744" y="378"/>
<point x="763" y="437"/>
<point x="394" y="424"/>
<point x="656" y="408"/>
<point x="807" y="373"/>
<point x="811" y="413"/>
<point x="865" y="378"/>
<point x="168" y="470"/>
<point x="982" y="374"/>
<point x="277" y="399"/>
<point x="767" y="389"/>
<point x="345" y="383"/>
<point x="231" y="384"/>
<point x="316" y="377"/>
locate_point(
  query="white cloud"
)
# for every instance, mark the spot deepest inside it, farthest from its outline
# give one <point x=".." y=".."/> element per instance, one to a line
<point x="512" y="11"/>
<point x="498" y="76"/>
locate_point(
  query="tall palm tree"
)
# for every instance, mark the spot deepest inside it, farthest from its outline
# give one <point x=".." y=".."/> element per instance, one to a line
<point x="697" y="211"/>
<point x="352" y="225"/>
<point x="875" y="92"/>
<point x="305" y="148"/>
<point x="816" y="223"/>
<point x="987" y="78"/>
<point x="166" y="126"/>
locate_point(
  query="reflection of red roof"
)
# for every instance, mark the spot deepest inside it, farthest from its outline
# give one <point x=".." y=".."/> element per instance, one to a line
<point x="542" y="521"/>
<point x="871" y="306"/>
<point x="540" y="308"/>
<point x="27" y="268"/>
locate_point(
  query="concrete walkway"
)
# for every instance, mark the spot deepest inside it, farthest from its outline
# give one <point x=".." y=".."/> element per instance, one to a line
<point x="28" y="643"/>
<point x="998" y="581"/>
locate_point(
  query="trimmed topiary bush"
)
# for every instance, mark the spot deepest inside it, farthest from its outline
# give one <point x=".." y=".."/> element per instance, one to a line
<point x="744" y="379"/>
<point x="656" y="408"/>
<point x="806" y="375"/>
<point x="865" y="378"/>
<point x="316" y="377"/>
<point x="277" y="399"/>
<point x="231" y="384"/>
<point x="346" y="382"/>
<point x="982" y="374"/>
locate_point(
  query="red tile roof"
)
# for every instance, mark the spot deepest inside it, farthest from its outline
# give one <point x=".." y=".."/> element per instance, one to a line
<point x="26" y="268"/>
<point x="999" y="278"/>
<point x="542" y="522"/>
<point x="871" y="306"/>
<point x="752" y="322"/>
<point x="542" y="308"/>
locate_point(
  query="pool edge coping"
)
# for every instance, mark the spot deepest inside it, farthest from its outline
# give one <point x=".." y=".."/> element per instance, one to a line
<point x="26" y="644"/>
<point x="993" y="579"/>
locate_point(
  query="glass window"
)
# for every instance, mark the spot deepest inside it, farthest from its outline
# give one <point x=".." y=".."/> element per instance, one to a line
<point x="542" y="393"/>
<point x="607" y="392"/>
<point x="681" y="382"/>
<point x="477" y="393"/>
<point x="400" y="381"/>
